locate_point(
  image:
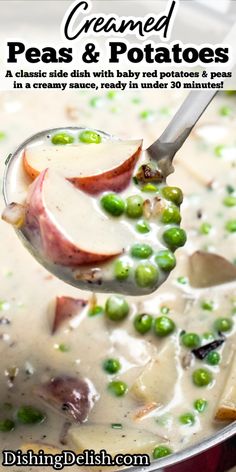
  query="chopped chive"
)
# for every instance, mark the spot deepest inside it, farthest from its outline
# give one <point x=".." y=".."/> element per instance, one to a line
<point x="116" y="426"/>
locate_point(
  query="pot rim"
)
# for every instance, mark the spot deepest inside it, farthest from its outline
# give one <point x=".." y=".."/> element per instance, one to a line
<point x="191" y="451"/>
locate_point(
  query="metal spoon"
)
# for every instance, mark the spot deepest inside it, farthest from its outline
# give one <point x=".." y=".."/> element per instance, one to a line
<point x="163" y="151"/>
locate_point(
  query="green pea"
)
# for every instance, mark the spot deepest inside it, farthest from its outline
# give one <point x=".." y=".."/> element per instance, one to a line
<point x="182" y="280"/>
<point x="174" y="194"/>
<point x="116" y="308"/>
<point x="134" y="206"/>
<point x="111" y="366"/>
<point x="136" y="100"/>
<point x="6" y="426"/>
<point x="63" y="348"/>
<point x="95" y="102"/>
<point x="122" y="270"/>
<point x="113" y="204"/>
<point x="163" y="326"/>
<point x="165" y="310"/>
<point x="146" y="275"/>
<point x="30" y="415"/>
<point x="223" y="324"/>
<point x="2" y="135"/>
<point x="208" y="336"/>
<point x="171" y="215"/>
<point x="174" y="237"/>
<point x="207" y="305"/>
<point x="62" y="138"/>
<point x="143" y="227"/>
<point x="229" y="201"/>
<point x="219" y="150"/>
<point x="161" y="451"/>
<point x="118" y="388"/>
<point x="200" y="405"/>
<point x="166" y="260"/>
<point x="202" y="377"/>
<point x="90" y="137"/>
<point x="213" y="358"/>
<point x="143" y="323"/>
<point x="191" y="340"/>
<point x="187" y="419"/>
<point x="149" y="188"/>
<point x="141" y="251"/>
<point x="111" y="94"/>
<point x="146" y="114"/>
<point x="231" y="226"/>
<point x="165" y="111"/>
<point x="225" y="110"/>
<point x="96" y="310"/>
<point x="205" y="228"/>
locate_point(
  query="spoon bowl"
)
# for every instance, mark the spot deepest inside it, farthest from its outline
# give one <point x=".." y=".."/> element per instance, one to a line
<point x="161" y="152"/>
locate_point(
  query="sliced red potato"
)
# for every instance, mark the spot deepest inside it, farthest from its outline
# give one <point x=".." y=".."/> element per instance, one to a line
<point x="207" y="269"/>
<point x="72" y="396"/>
<point x="66" y="308"/>
<point x="72" y="229"/>
<point x="226" y="408"/>
<point x="93" y="168"/>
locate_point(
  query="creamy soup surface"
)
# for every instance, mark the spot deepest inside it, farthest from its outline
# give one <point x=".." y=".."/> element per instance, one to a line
<point x="30" y="355"/>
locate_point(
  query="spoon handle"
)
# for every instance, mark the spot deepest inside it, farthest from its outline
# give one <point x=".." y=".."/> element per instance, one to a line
<point x="166" y="146"/>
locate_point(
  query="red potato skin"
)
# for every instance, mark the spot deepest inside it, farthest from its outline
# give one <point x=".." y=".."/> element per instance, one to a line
<point x="55" y="246"/>
<point x="71" y="396"/>
<point x="66" y="308"/>
<point x="115" y="180"/>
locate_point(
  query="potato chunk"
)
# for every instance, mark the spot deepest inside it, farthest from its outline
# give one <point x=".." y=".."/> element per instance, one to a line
<point x="36" y="447"/>
<point x="158" y="379"/>
<point x="114" y="441"/>
<point x="226" y="408"/>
